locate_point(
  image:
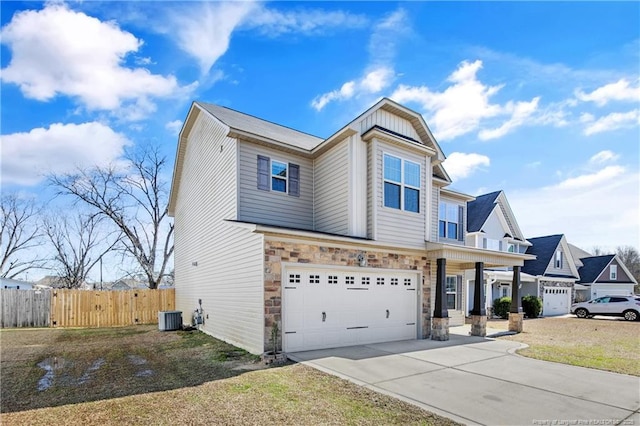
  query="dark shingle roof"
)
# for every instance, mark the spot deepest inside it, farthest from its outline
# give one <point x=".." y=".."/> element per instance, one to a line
<point x="592" y="267"/>
<point x="543" y="248"/>
<point x="479" y="210"/>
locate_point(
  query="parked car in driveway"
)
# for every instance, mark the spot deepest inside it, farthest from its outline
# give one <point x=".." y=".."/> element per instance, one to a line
<point x="627" y="307"/>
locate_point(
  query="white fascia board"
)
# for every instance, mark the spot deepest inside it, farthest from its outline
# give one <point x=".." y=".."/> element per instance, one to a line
<point x="502" y="198"/>
<point x="556" y="279"/>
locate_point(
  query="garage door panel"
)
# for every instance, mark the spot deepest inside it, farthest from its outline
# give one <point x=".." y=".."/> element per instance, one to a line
<point x="556" y="301"/>
<point x="359" y="307"/>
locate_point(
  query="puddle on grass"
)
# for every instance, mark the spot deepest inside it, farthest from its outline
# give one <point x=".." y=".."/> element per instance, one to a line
<point x="49" y="365"/>
<point x="55" y="366"/>
<point x="94" y="367"/>
<point x="138" y="360"/>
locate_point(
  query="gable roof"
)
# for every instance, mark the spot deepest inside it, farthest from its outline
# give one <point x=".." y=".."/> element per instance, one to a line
<point x="593" y="266"/>
<point x="543" y="248"/>
<point x="259" y="127"/>
<point x="478" y="210"/>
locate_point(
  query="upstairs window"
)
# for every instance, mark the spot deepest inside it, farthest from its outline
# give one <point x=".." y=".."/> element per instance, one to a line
<point x="401" y="184"/>
<point x="558" y="260"/>
<point x="278" y="176"/>
<point x="450" y="221"/>
<point x="613" y="272"/>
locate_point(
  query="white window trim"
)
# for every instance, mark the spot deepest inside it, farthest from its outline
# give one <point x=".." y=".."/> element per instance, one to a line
<point x="271" y="175"/>
<point x="447" y="221"/>
<point x="402" y="184"/>
<point x="613" y="272"/>
<point x="557" y="260"/>
<point x="454" y="292"/>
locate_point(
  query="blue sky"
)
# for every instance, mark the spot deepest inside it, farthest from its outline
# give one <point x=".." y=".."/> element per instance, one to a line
<point x="539" y="99"/>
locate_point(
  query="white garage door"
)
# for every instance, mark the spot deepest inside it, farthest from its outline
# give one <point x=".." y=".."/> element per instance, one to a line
<point x="556" y="301"/>
<point x="329" y="308"/>
<point x="601" y="290"/>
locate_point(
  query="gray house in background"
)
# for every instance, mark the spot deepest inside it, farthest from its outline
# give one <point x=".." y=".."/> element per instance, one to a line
<point x="603" y="276"/>
<point x="10" y="283"/>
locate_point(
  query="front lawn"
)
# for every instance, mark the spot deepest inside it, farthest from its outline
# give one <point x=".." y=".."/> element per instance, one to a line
<point x="138" y="375"/>
<point x="607" y="344"/>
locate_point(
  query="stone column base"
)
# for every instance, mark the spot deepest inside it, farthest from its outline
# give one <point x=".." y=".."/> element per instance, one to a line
<point x="479" y="325"/>
<point x="440" y="329"/>
<point x="515" y="322"/>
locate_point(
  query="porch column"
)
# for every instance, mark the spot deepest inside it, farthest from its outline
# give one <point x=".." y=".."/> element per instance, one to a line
<point x="479" y="312"/>
<point x="515" y="313"/>
<point x="440" y="327"/>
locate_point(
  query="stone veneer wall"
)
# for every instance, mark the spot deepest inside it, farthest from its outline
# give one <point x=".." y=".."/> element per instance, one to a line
<point x="310" y="254"/>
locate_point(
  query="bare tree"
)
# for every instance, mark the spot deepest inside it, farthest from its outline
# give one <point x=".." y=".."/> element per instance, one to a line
<point x="134" y="198"/>
<point x="631" y="258"/>
<point x="79" y="243"/>
<point x="599" y="251"/>
<point x="20" y="235"/>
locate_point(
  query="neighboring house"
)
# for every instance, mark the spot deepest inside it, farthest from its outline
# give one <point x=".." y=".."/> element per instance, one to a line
<point x="15" y="284"/>
<point x="603" y="276"/>
<point x="51" y="281"/>
<point x="492" y="225"/>
<point x="555" y="273"/>
<point x="346" y="240"/>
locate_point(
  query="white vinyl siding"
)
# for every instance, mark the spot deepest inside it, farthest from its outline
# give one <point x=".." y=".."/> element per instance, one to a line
<point x="435" y="201"/>
<point x="216" y="261"/>
<point x="456" y="316"/>
<point x="398" y="226"/>
<point x="389" y="121"/>
<point x="272" y="207"/>
<point x="332" y="190"/>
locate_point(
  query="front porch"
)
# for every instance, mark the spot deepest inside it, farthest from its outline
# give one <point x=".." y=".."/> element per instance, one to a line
<point x="452" y="265"/>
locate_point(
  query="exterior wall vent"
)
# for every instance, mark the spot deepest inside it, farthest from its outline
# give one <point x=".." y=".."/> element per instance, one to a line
<point x="169" y="320"/>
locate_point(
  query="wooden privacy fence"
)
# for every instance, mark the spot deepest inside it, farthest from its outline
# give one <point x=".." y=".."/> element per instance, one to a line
<point x="82" y="308"/>
<point x="24" y="308"/>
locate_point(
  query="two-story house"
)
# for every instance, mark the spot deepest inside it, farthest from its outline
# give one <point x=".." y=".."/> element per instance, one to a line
<point x="347" y="240"/>
<point x="492" y="225"/>
<point x="555" y="273"/>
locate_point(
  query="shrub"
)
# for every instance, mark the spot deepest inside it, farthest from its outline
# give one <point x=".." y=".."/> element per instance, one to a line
<point x="501" y="307"/>
<point x="532" y="306"/>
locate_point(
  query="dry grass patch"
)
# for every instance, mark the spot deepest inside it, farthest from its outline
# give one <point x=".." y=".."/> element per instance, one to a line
<point x="294" y="394"/>
<point x="604" y="344"/>
<point x="138" y="375"/>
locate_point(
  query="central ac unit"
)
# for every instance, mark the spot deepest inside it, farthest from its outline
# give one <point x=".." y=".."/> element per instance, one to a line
<point x="169" y="320"/>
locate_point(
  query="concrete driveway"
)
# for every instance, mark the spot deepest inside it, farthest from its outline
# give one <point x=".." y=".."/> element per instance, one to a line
<point x="481" y="381"/>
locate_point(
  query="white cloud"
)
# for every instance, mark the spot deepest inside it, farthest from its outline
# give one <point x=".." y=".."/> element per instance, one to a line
<point x="621" y="90"/>
<point x="174" y="126"/>
<point x="603" y="157"/>
<point x="589" y="180"/>
<point x="272" y="22"/>
<point x="203" y="30"/>
<point x="379" y="73"/>
<point x="59" y="51"/>
<point x="595" y="209"/>
<point x="613" y="121"/>
<point x="28" y="157"/>
<point x="460" y="107"/>
<point x="520" y="113"/>
<point x="372" y="82"/>
<point x="460" y="165"/>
